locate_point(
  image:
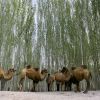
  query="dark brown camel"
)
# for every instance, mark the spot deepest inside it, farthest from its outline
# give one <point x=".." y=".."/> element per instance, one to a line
<point x="59" y="77"/>
<point x="32" y="73"/>
<point x="78" y="74"/>
<point x="5" y="76"/>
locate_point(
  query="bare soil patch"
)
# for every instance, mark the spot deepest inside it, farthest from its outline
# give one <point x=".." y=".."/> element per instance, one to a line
<point x="9" y="95"/>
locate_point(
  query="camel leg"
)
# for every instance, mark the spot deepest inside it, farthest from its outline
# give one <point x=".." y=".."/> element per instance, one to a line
<point x="2" y="84"/>
<point x="88" y="86"/>
<point x="77" y="87"/>
<point x="48" y="87"/>
<point x="21" y="84"/>
<point x="68" y="86"/>
<point x="57" y="84"/>
<point x="62" y="84"/>
<point x="65" y="86"/>
<point x="33" y="88"/>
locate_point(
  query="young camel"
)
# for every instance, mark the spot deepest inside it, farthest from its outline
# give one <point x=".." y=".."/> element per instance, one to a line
<point x="32" y="73"/>
<point x="78" y="74"/>
<point x="60" y="78"/>
<point x="5" y="76"/>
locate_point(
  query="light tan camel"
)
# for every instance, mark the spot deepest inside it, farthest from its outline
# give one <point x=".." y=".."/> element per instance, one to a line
<point x="5" y="76"/>
<point x="32" y="73"/>
<point x="60" y="78"/>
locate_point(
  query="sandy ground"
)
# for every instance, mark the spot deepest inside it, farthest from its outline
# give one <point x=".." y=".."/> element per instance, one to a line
<point x="7" y="95"/>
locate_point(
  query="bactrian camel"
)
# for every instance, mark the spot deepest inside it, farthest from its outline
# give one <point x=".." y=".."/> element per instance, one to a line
<point x="5" y="76"/>
<point x="78" y="74"/>
<point x="35" y="74"/>
<point x="59" y="77"/>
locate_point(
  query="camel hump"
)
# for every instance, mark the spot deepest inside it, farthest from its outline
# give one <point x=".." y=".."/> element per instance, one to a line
<point x="28" y="66"/>
<point x="73" y="68"/>
<point x="84" y="66"/>
<point x="64" y="69"/>
<point x="36" y="69"/>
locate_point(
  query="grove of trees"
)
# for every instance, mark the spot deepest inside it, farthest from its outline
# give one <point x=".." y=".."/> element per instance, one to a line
<point x="50" y="34"/>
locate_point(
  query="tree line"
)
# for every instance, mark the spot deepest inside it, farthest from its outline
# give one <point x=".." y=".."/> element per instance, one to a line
<point x="50" y="34"/>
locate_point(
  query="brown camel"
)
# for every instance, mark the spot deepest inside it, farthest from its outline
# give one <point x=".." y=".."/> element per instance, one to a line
<point x="78" y="74"/>
<point x="32" y="73"/>
<point x="5" y="76"/>
<point x="59" y="77"/>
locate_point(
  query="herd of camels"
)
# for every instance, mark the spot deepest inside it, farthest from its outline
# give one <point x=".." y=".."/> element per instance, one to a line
<point x="64" y="77"/>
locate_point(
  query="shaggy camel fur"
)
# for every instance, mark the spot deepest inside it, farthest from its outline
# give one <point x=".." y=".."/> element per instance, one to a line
<point x="78" y="74"/>
<point x="5" y="76"/>
<point x="32" y="73"/>
<point x="59" y="77"/>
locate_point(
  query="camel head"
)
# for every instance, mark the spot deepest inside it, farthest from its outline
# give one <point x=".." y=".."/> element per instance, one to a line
<point x="43" y="74"/>
<point x="11" y="70"/>
<point x="44" y="71"/>
<point x="9" y="74"/>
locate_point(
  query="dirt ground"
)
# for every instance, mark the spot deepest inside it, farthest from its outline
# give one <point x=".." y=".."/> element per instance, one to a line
<point x="8" y="95"/>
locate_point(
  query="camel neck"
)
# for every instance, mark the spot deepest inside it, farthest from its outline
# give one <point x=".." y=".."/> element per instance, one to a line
<point x="8" y="76"/>
<point x="42" y="76"/>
